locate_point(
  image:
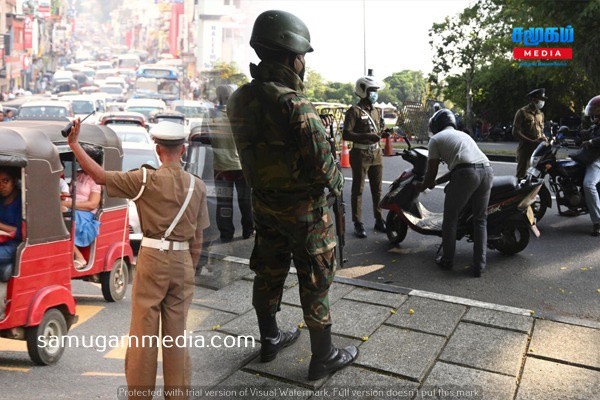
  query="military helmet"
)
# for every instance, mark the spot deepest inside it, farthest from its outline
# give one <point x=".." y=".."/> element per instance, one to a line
<point x="593" y="107"/>
<point x="280" y="30"/>
<point x="365" y="83"/>
<point x="442" y="119"/>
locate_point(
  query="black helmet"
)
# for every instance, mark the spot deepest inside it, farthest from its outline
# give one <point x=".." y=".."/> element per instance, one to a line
<point x="280" y="30"/>
<point x="442" y="119"/>
<point x="563" y="129"/>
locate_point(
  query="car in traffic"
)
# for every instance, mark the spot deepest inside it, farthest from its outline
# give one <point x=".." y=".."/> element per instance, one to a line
<point x="123" y="117"/>
<point x="194" y="111"/>
<point x="84" y="106"/>
<point x="145" y="106"/>
<point x="46" y="110"/>
<point x="131" y="133"/>
<point x="113" y="92"/>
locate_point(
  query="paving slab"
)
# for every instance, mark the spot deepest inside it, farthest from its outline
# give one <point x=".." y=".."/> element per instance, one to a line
<point x="359" y="320"/>
<point x="447" y="381"/>
<point x="235" y="298"/>
<point x="430" y="316"/>
<point x="402" y="352"/>
<point x="358" y="383"/>
<point x="393" y="300"/>
<point x="499" y="319"/>
<point x="219" y="273"/>
<point x="570" y="343"/>
<point x="250" y="386"/>
<point x="205" y="319"/>
<point x="289" y="317"/>
<point x="543" y="379"/>
<point x="291" y="364"/>
<point x="211" y="365"/>
<point x="336" y="292"/>
<point x="486" y="348"/>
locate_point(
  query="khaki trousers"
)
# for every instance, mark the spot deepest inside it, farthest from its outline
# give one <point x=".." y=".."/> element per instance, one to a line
<point x="163" y="288"/>
<point x="366" y="163"/>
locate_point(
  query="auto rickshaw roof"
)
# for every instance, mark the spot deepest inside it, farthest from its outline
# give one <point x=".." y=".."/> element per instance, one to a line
<point x="21" y="144"/>
<point x="97" y="135"/>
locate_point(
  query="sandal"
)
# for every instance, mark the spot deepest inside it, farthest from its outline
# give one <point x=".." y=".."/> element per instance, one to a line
<point x="79" y="264"/>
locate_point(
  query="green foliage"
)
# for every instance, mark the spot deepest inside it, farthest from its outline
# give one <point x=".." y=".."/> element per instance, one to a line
<point x="404" y="86"/>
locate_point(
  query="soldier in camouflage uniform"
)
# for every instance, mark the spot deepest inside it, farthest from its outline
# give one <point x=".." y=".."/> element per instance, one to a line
<point x="287" y="161"/>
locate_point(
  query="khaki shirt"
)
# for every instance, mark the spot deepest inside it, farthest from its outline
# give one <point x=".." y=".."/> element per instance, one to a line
<point x="166" y="190"/>
<point x="357" y="120"/>
<point x="529" y="122"/>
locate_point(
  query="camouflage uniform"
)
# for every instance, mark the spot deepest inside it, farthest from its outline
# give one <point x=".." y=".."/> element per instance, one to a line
<point x="528" y="123"/>
<point x="287" y="161"/>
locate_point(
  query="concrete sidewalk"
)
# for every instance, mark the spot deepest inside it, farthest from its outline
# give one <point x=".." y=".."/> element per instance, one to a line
<point x="412" y="344"/>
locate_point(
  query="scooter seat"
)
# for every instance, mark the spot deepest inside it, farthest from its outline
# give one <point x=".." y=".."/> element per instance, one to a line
<point x="504" y="184"/>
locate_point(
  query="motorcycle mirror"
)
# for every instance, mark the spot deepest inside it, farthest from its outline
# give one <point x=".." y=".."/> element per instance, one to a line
<point x="405" y="137"/>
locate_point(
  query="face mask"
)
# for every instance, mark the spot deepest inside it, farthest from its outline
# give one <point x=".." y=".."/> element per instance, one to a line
<point x="373" y="96"/>
<point x="540" y="104"/>
<point x="303" y="70"/>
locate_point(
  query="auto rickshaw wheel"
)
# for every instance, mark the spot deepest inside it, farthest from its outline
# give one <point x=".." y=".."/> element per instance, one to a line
<point x="44" y="342"/>
<point x="114" y="282"/>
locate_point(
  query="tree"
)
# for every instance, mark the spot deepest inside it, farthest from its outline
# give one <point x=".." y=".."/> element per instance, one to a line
<point x="464" y="43"/>
<point x="402" y="86"/>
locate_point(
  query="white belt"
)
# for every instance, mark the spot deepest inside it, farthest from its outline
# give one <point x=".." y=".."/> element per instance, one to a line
<point x="163" y="245"/>
<point x="361" y="146"/>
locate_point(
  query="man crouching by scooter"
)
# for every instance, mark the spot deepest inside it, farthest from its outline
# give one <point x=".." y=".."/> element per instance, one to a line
<point x="470" y="183"/>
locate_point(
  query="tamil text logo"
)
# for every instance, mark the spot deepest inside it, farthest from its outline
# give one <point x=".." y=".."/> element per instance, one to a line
<point x="535" y="36"/>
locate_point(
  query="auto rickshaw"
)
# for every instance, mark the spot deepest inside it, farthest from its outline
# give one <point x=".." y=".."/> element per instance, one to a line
<point x="110" y="256"/>
<point x="39" y="303"/>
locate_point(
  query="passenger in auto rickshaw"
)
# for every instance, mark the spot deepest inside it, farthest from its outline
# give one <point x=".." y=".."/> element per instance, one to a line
<point x="87" y="200"/>
<point x="10" y="226"/>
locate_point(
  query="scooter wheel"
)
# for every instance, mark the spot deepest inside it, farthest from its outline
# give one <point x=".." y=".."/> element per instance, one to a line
<point x="396" y="229"/>
<point x="514" y="238"/>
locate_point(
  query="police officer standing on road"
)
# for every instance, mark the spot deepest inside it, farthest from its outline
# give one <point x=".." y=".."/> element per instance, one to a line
<point x="528" y="128"/>
<point x="364" y="126"/>
<point x="287" y="161"/>
<point x="173" y="212"/>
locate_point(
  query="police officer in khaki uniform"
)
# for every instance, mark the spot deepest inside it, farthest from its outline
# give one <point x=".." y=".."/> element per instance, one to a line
<point x="364" y="126"/>
<point x="528" y="128"/>
<point x="173" y="214"/>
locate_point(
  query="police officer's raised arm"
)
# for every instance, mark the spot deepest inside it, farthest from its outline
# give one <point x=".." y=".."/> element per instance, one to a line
<point x="95" y="171"/>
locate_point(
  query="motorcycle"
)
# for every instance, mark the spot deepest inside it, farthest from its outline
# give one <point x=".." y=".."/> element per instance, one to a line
<point x="510" y="216"/>
<point x="565" y="180"/>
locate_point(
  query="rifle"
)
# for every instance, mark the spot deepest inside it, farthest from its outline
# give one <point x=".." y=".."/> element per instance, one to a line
<point x="339" y="208"/>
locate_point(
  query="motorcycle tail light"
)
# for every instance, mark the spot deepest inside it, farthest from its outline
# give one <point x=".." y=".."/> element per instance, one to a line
<point x="529" y="199"/>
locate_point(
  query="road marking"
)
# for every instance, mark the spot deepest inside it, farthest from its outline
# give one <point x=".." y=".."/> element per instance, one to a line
<point x="469" y="302"/>
<point x="15" y="369"/>
<point x="84" y="313"/>
<point x="195" y="318"/>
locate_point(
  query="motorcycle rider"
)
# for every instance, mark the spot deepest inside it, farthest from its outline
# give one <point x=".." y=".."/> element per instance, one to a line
<point x="592" y="172"/>
<point x="364" y="126"/>
<point x="470" y="182"/>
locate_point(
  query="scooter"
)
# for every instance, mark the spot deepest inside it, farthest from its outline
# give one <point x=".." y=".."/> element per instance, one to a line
<point x="565" y="180"/>
<point x="510" y="216"/>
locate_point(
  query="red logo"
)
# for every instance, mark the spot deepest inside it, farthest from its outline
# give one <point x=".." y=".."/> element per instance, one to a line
<point x="542" y="53"/>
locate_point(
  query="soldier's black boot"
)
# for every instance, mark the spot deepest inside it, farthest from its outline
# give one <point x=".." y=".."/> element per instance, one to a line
<point x="273" y="339"/>
<point x="326" y="359"/>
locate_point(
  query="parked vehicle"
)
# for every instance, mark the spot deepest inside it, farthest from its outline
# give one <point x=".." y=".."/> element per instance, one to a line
<point x="565" y="179"/>
<point x="510" y="217"/>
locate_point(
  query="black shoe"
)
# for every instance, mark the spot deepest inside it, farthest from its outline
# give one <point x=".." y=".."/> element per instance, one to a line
<point x="476" y="272"/>
<point x="248" y="234"/>
<point x="271" y="346"/>
<point x="380" y="226"/>
<point x="596" y="230"/>
<point x="443" y="264"/>
<point x="334" y="361"/>
<point x="359" y="230"/>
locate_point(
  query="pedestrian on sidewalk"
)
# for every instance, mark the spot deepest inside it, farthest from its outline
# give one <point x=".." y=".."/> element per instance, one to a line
<point x="172" y="208"/>
<point x="470" y="182"/>
<point x="287" y="161"/>
<point x="364" y="127"/>
<point x="528" y="128"/>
